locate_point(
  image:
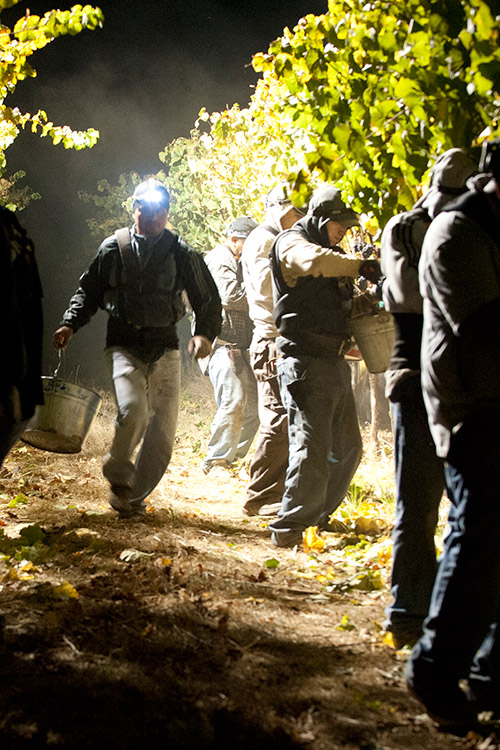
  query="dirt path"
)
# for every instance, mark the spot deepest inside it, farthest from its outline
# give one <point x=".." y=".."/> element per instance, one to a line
<point x="188" y="629"/>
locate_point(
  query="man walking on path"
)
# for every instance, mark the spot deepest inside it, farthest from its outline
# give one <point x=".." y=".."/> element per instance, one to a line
<point x="460" y="284"/>
<point x="235" y="389"/>
<point x="268" y="466"/>
<point x="138" y="276"/>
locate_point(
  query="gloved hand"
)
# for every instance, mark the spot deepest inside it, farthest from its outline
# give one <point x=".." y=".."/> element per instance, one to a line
<point x="371" y="270"/>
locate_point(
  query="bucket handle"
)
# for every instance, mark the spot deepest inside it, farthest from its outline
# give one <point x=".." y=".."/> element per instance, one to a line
<point x="62" y="363"/>
<point x="58" y="367"/>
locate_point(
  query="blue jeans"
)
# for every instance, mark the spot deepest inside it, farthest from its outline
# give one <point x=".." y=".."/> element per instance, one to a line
<point x="419" y="478"/>
<point x="465" y="605"/>
<point x="236" y="419"/>
<point x="324" y="439"/>
<point x="147" y="398"/>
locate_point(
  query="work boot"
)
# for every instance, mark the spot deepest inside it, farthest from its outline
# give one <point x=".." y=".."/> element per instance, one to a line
<point x="119" y="499"/>
<point x="444" y="701"/>
<point x="259" y="508"/>
<point x="287" y="538"/>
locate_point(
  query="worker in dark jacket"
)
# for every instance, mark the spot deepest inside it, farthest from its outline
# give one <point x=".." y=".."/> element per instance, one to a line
<point x="139" y="276"/>
<point x="460" y="284"/>
<point x="419" y="471"/>
<point x="21" y="331"/>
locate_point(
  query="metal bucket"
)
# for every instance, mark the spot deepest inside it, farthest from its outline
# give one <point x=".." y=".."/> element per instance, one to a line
<point x="374" y="335"/>
<point x="62" y="423"/>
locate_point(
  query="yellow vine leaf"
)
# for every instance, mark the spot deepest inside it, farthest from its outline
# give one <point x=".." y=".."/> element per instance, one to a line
<point x="311" y="539"/>
<point x="64" y="591"/>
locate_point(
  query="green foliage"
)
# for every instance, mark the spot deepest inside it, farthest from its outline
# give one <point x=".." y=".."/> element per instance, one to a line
<point x="29" y="34"/>
<point x="365" y="96"/>
<point x="14" y="196"/>
<point x="111" y="206"/>
<point x="375" y="91"/>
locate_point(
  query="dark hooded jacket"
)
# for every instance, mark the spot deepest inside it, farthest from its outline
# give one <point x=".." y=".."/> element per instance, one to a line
<point x="314" y="315"/>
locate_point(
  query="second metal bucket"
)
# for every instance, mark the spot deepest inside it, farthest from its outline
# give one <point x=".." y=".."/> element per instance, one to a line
<point x="374" y="335"/>
<point x="62" y="423"/>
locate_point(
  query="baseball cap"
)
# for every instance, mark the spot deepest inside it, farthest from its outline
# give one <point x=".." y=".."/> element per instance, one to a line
<point x="241" y="227"/>
<point x="326" y="202"/>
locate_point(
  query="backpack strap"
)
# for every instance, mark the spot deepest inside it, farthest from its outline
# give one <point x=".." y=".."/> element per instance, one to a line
<point x="128" y="257"/>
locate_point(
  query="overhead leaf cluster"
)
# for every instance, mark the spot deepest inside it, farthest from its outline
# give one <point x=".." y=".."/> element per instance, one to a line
<point x="223" y="171"/>
<point x="365" y="96"/>
<point x="376" y="90"/>
<point x="29" y="34"/>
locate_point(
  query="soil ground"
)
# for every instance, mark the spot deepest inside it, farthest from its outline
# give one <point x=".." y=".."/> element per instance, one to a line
<point x="187" y="628"/>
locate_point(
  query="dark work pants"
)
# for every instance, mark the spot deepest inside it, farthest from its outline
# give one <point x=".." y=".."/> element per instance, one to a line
<point x="419" y="479"/>
<point x="465" y="602"/>
<point x="324" y="439"/>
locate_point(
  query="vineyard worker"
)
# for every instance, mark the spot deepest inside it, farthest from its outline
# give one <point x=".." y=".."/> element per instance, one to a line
<point x="419" y="471"/>
<point x="268" y="466"/>
<point x="313" y="280"/>
<point x="235" y="389"/>
<point x="460" y="283"/>
<point x="21" y="327"/>
<point x="138" y="276"/>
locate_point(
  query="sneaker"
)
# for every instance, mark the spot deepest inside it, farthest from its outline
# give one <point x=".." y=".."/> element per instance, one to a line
<point x="208" y="465"/>
<point x="287" y="538"/>
<point x="257" y="508"/>
<point x="119" y="499"/>
<point x="138" y="509"/>
<point x="484" y="697"/>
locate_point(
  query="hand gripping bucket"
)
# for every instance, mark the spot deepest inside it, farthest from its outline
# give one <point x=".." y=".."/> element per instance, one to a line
<point x="61" y="424"/>
<point x="374" y="334"/>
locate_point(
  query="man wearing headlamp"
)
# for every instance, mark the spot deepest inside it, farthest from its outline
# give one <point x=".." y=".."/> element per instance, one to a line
<point x="138" y="277"/>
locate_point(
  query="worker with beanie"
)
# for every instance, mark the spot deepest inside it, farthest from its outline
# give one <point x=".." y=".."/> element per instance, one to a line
<point x="268" y="466"/>
<point x="236" y="419"/>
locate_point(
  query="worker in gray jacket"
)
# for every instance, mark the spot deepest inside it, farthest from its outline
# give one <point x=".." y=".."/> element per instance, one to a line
<point x="268" y="467"/>
<point x="236" y="419"/>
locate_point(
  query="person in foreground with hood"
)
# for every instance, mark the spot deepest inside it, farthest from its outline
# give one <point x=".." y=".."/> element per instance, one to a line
<point x="21" y="331"/>
<point x="313" y="282"/>
<point x="419" y="472"/>
<point x="267" y="469"/>
<point x="460" y="284"/>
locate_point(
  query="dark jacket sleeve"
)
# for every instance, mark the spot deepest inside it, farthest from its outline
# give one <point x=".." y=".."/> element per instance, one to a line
<point x="89" y="296"/>
<point x="202" y="293"/>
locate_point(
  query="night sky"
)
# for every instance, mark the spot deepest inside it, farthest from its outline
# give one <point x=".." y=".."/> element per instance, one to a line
<point x="141" y="81"/>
